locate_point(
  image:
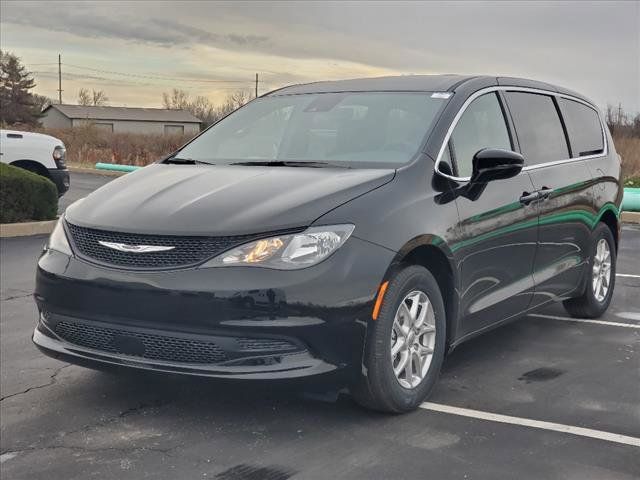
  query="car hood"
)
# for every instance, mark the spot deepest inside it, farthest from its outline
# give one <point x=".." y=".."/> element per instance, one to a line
<point x="221" y="199"/>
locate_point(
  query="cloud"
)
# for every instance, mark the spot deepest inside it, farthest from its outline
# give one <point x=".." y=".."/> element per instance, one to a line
<point x="593" y="48"/>
<point x="89" y="23"/>
<point x="83" y="22"/>
<point x="190" y="34"/>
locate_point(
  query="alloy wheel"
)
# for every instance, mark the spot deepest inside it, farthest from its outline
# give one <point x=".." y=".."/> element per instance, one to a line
<point x="601" y="272"/>
<point x="413" y="339"/>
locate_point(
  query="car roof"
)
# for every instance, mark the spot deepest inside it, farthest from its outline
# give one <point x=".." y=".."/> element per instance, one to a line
<point x="419" y="83"/>
<point x="403" y="83"/>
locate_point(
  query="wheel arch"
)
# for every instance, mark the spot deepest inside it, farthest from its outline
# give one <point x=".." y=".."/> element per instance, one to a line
<point x="431" y="252"/>
<point x="609" y="216"/>
<point x="32" y="166"/>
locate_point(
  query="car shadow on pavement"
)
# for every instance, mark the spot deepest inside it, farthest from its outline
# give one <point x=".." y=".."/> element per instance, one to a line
<point x="131" y="390"/>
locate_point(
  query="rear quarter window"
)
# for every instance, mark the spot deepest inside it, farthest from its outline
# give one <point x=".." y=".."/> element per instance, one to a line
<point x="538" y="127"/>
<point x="583" y="126"/>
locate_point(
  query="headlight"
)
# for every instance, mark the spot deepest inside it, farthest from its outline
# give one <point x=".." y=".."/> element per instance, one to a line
<point x="58" y="239"/>
<point x="287" y="252"/>
<point x="59" y="154"/>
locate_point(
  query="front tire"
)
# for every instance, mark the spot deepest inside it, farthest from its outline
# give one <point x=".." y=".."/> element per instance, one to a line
<point x="601" y="277"/>
<point x="405" y="345"/>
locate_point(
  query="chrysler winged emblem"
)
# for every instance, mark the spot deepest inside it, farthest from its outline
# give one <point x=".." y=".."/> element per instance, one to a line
<point x="123" y="247"/>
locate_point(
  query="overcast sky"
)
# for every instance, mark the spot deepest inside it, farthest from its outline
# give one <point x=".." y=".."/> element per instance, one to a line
<point x="136" y="50"/>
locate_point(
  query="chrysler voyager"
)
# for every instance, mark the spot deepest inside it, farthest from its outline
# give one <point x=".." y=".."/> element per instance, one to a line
<point x="361" y="227"/>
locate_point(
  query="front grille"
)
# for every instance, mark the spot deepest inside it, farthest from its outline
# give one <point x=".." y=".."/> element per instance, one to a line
<point x="153" y="346"/>
<point x="187" y="251"/>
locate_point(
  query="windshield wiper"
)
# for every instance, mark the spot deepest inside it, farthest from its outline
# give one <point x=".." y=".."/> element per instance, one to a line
<point x="185" y="161"/>
<point x="289" y="163"/>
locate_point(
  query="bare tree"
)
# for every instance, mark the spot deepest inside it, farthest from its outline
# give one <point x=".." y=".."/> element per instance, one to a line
<point x="96" y="98"/>
<point x="176" y="100"/>
<point x="621" y="123"/>
<point x="238" y="98"/>
<point x="84" y="98"/>
<point x="201" y="107"/>
<point x="233" y="101"/>
<point x="99" y="98"/>
<point x="42" y="101"/>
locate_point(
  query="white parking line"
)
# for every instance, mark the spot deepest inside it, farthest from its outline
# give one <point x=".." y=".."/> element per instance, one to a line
<point x="586" y="320"/>
<point x="526" y="422"/>
<point x="627" y="275"/>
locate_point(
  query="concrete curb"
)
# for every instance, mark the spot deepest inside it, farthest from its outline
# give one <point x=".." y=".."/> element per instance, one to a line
<point x="24" y="229"/>
<point x="94" y="171"/>
<point x="630" y="217"/>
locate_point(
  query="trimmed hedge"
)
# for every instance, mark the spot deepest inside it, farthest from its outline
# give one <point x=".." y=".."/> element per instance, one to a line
<point x="26" y="196"/>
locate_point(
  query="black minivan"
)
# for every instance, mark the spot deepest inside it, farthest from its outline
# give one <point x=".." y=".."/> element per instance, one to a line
<point x="359" y="227"/>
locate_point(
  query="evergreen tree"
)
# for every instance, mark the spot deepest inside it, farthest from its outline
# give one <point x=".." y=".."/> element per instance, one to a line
<point x="17" y="103"/>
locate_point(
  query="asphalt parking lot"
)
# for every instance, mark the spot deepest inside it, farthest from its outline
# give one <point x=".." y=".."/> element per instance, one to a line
<point x="82" y="184"/>
<point x="545" y="397"/>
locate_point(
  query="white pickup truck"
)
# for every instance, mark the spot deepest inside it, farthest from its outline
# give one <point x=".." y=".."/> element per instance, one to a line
<point x="38" y="153"/>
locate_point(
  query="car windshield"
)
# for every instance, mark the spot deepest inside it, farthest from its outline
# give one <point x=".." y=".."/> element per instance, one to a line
<point x="359" y="130"/>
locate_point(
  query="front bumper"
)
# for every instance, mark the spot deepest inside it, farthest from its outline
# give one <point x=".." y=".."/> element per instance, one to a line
<point x="143" y="319"/>
<point x="291" y="365"/>
<point x="61" y="179"/>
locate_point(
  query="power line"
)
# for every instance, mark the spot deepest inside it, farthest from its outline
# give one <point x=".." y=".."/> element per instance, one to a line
<point x="75" y="76"/>
<point x="116" y="81"/>
<point x="151" y="76"/>
<point x="155" y="76"/>
<point x="230" y="84"/>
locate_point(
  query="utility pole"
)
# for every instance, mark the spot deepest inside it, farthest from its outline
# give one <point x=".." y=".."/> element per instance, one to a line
<point x="60" y="79"/>
<point x="256" y="85"/>
<point x="619" y="113"/>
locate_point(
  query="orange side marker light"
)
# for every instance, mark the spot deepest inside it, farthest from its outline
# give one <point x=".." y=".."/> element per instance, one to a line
<point x="376" y="308"/>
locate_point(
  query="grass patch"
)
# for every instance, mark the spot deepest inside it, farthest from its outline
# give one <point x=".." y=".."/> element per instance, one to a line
<point x="632" y="182"/>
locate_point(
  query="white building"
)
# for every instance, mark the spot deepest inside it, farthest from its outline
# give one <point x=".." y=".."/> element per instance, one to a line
<point x="122" y="119"/>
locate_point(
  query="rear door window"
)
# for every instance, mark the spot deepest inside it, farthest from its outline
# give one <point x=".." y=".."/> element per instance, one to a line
<point x="583" y="127"/>
<point x="538" y="127"/>
<point x="482" y="125"/>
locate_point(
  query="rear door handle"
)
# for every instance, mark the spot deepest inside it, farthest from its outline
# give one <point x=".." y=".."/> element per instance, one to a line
<point x="527" y="197"/>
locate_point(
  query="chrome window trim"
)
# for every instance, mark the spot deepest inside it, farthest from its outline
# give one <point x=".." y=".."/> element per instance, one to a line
<point x="503" y="88"/>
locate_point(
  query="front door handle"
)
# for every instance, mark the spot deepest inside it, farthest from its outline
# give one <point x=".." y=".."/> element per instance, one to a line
<point x="527" y="197"/>
<point x="544" y="193"/>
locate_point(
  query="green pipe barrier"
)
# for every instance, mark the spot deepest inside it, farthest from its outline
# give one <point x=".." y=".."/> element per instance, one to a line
<point x="631" y="200"/>
<point x="115" y="167"/>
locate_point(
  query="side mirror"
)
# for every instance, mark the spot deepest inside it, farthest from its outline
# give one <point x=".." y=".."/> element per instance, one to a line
<point x="495" y="164"/>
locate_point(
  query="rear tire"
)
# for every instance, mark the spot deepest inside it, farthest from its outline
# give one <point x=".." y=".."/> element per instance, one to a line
<point x="408" y="331"/>
<point x="595" y="301"/>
